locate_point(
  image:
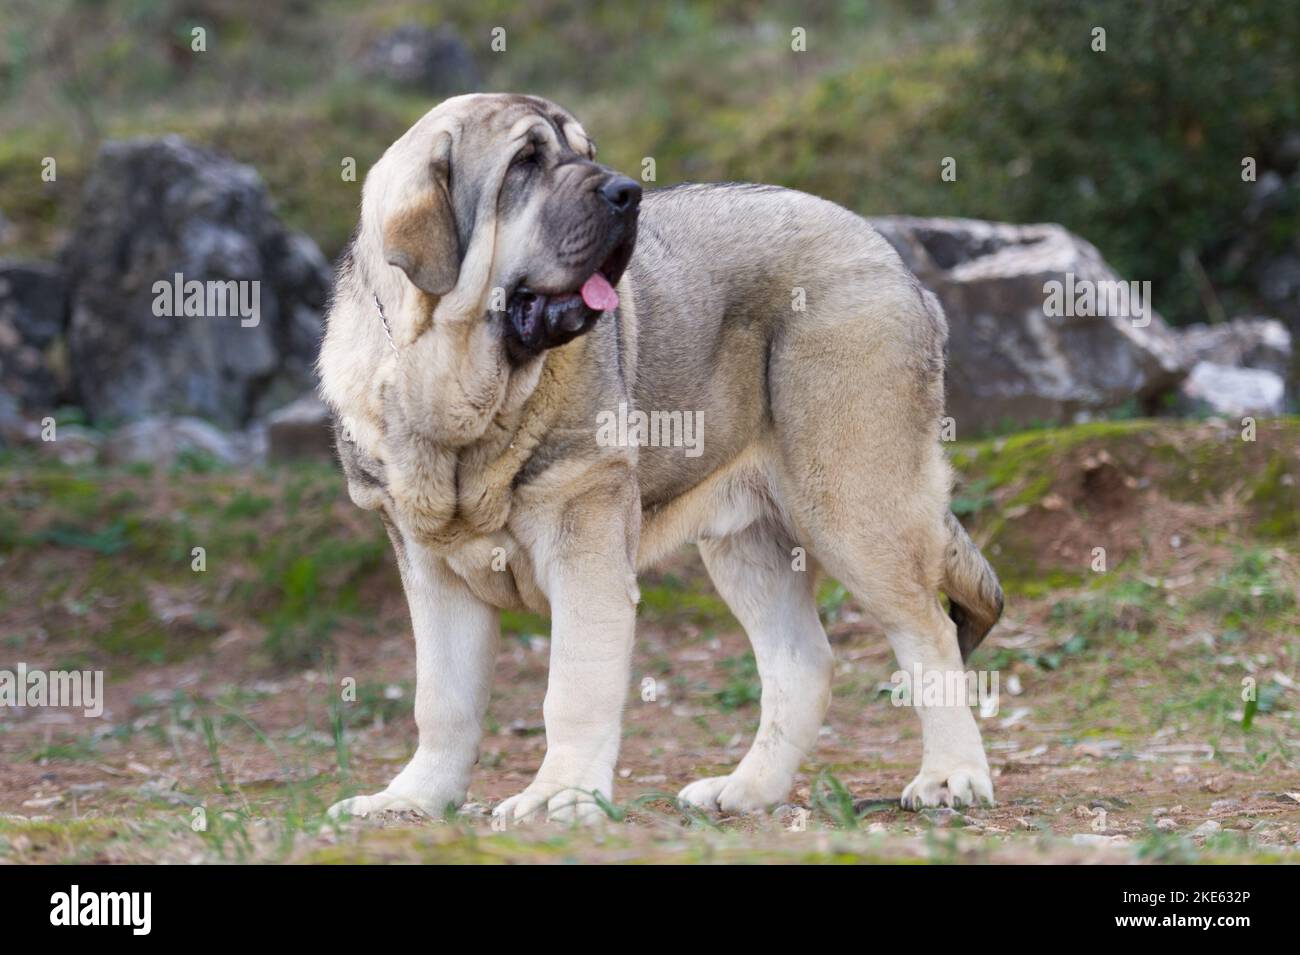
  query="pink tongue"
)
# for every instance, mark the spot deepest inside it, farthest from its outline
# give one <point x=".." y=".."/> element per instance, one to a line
<point x="599" y="294"/>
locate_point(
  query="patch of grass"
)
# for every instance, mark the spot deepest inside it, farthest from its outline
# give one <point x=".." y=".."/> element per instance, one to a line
<point x="742" y="687"/>
<point x="49" y="839"/>
<point x="1275" y="499"/>
<point x="1127" y="605"/>
<point x="1248" y="592"/>
<point x="1165" y="848"/>
<point x="831" y="597"/>
<point x="75" y="495"/>
<point x="108" y="540"/>
<point x="672" y="599"/>
<point x="309" y="586"/>
<point x="245" y="505"/>
<point x="195" y="461"/>
<point x="375" y="701"/>
<point x="77" y="749"/>
<point x="524" y="624"/>
<point x="832" y="798"/>
<point x="973" y="497"/>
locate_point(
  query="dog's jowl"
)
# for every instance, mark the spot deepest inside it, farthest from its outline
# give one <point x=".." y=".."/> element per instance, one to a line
<point x="508" y="312"/>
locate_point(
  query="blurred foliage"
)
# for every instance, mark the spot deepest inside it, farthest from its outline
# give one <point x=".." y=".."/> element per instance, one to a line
<point x="1137" y="148"/>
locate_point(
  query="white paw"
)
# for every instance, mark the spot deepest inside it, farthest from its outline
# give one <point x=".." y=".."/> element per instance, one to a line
<point x="555" y="803"/>
<point x="386" y="801"/>
<point x="733" y="793"/>
<point x="961" y="786"/>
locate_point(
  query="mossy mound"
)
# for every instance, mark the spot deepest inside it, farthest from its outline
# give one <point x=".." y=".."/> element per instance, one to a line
<point x="1040" y="503"/>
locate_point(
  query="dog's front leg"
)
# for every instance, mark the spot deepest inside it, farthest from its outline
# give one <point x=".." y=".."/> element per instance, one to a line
<point x="455" y="651"/>
<point x="593" y="597"/>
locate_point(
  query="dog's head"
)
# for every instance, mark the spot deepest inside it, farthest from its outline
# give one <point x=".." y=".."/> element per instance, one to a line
<point x="495" y="205"/>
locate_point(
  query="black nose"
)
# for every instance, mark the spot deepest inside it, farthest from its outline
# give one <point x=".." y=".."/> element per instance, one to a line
<point x="622" y="193"/>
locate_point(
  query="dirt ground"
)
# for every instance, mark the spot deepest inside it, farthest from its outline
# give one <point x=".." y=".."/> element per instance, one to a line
<point x="1125" y="729"/>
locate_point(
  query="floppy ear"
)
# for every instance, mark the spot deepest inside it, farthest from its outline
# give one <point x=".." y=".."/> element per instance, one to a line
<point x="420" y="238"/>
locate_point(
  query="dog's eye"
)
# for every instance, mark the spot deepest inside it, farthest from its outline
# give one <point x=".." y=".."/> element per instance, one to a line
<point x="526" y="157"/>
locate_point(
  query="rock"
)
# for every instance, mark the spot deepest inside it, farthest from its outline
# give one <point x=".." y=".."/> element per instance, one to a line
<point x="1166" y="824"/>
<point x="1225" y="390"/>
<point x="430" y="60"/>
<point x="33" y="309"/>
<point x="944" y="817"/>
<point x="250" y="444"/>
<point x="1206" y="829"/>
<point x="43" y="802"/>
<point x="297" y="265"/>
<point x="1263" y="343"/>
<point x="161" y="220"/>
<point x="1012" y="360"/>
<point x="162" y="440"/>
<point x="33" y="299"/>
<point x="302" y="429"/>
<point x="72" y="444"/>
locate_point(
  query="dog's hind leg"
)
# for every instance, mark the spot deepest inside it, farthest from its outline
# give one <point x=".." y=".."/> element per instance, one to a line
<point x="954" y="770"/>
<point x="754" y="571"/>
<point x="891" y="555"/>
<point x="863" y="478"/>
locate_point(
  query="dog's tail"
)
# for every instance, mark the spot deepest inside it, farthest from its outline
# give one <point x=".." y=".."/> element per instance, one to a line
<point x="974" y="594"/>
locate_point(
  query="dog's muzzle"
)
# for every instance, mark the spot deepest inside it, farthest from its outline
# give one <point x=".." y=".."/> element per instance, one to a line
<point x="536" y="321"/>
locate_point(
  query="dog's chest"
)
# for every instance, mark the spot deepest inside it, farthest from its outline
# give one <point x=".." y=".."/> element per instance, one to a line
<point x="469" y="535"/>
<point x="499" y="572"/>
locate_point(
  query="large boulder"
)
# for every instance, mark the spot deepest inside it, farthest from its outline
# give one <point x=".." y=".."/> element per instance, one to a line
<point x="163" y="440"/>
<point x="33" y="309"/>
<point x="187" y="295"/>
<point x="1022" y="350"/>
<point x="427" y="60"/>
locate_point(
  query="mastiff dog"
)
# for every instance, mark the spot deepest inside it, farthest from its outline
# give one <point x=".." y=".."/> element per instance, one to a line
<point x="516" y="336"/>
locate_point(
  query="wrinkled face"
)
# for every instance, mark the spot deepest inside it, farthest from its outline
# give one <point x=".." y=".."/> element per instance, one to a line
<point x="517" y="199"/>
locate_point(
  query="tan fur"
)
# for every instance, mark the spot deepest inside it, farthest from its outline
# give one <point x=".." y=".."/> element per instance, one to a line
<point x="820" y="442"/>
<point x="421" y="240"/>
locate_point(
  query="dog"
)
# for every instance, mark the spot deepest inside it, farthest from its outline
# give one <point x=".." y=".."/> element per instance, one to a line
<point x="504" y="295"/>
